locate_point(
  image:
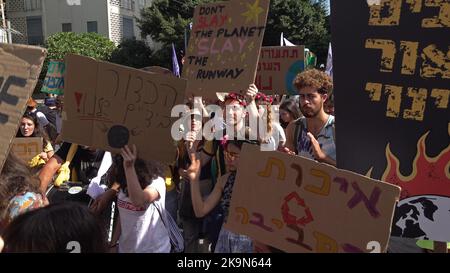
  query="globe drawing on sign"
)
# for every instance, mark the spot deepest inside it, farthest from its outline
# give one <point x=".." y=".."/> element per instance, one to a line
<point x="423" y="217"/>
<point x="293" y="71"/>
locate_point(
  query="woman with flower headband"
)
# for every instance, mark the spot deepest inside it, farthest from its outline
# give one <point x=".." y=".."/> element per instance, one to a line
<point x="213" y="150"/>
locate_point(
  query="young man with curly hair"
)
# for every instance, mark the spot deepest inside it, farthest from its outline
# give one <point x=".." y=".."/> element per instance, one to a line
<point x="313" y="136"/>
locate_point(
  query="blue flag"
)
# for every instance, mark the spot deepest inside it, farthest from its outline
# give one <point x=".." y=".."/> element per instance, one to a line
<point x="175" y="66"/>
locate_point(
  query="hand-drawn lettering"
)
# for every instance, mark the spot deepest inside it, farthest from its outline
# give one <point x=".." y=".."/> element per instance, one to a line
<point x="326" y="183"/>
<point x="349" y="248"/>
<point x="22" y="152"/>
<point x="117" y="78"/>
<point x="260" y="222"/>
<point x="415" y="5"/>
<point x="324" y="243"/>
<point x="370" y="203"/>
<point x="130" y="108"/>
<point x="300" y="238"/>
<point x="419" y="96"/>
<point x="393" y="8"/>
<point x="278" y="223"/>
<point x="409" y="57"/>
<point x="267" y="172"/>
<point x="436" y="64"/>
<point x="243" y="211"/>
<point x="171" y="95"/>
<point x="151" y="92"/>
<point x="387" y="52"/>
<point x="299" y="179"/>
<point x="441" y="96"/>
<point x="8" y="98"/>
<point x="342" y="182"/>
<point x="374" y="90"/>
<point x="394" y="100"/>
<point x="441" y="20"/>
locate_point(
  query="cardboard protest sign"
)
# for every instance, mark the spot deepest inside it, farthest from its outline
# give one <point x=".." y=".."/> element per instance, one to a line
<point x="19" y="71"/>
<point x="277" y="68"/>
<point x="298" y="205"/>
<point x="224" y="46"/>
<point x="54" y="80"/>
<point x="392" y="87"/>
<point x="108" y="106"/>
<point x="27" y="147"/>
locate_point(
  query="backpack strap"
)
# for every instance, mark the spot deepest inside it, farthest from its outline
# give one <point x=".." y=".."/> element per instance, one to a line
<point x="297" y="131"/>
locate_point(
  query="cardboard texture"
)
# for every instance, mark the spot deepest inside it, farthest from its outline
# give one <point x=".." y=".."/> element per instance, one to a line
<point x="54" y="80"/>
<point x="392" y="89"/>
<point x="27" y="147"/>
<point x="19" y="71"/>
<point x="277" y="68"/>
<point x="224" y="47"/>
<point x="298" y="205"/>
<point x="108" y="106"/>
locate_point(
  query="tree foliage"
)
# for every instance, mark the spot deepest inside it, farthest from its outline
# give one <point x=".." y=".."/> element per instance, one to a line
<point x="303" y="22"/>
<point x="87" y="44"/>
<point x="133" y="53"/>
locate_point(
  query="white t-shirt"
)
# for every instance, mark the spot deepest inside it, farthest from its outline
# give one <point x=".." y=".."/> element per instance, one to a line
<point x="278" y="138"/>
<point x="142" y="228"/>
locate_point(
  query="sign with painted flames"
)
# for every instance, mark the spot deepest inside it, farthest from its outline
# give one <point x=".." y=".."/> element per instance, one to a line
<point x="398" y="52"/>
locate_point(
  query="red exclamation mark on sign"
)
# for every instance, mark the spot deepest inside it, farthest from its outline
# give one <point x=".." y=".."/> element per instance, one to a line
<point x="78" y="97"/>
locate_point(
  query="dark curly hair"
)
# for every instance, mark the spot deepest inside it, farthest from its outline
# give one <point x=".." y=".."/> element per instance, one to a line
<point x="146" y="172"/>
<point x="316" y="79"/>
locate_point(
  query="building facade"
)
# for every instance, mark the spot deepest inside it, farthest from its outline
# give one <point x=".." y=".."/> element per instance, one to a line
<point x="38" y="19"/>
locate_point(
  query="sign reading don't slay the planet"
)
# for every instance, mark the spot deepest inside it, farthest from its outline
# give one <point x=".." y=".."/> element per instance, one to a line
<point x="224" y="46"/>
<point x="108" y="106"/>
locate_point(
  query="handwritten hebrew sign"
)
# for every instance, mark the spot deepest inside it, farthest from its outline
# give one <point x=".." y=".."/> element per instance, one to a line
<point x="27" y="147"/>
<point x="299" y="205"/>
<point x="19" y="71"/>
<point x="108" y="106"/>
<point x="399" y="55"/>
<point x="277" y="68"/>
<point x="54" y="80"/>
<point x="224" y="46"/>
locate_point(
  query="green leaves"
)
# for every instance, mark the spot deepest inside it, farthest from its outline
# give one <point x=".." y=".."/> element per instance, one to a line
<point x="87" y="44"/>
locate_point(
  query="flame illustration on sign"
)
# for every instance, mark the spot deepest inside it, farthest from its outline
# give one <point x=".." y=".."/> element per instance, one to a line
<point x="429" y="176"/>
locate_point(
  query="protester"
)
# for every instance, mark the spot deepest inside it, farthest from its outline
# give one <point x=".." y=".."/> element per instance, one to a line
<point x="72" y="163"/>
<point x="44" y="124"/>
<point x="270" y="134"/>
<point x="234" y="120"/>
<point x="312" y="136"/>
<point x="141" y="203"/>
<point x="63" y="227"/>
<point x="29" y="127"/>
<point x="228" y="242"/>
<point x="19" y="190"/>
<point x="289" y="112"/>
<point x="193" y="227"/>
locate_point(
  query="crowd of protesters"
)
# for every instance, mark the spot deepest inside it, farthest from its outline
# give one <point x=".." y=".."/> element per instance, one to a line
<point x="39" y="213"/>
